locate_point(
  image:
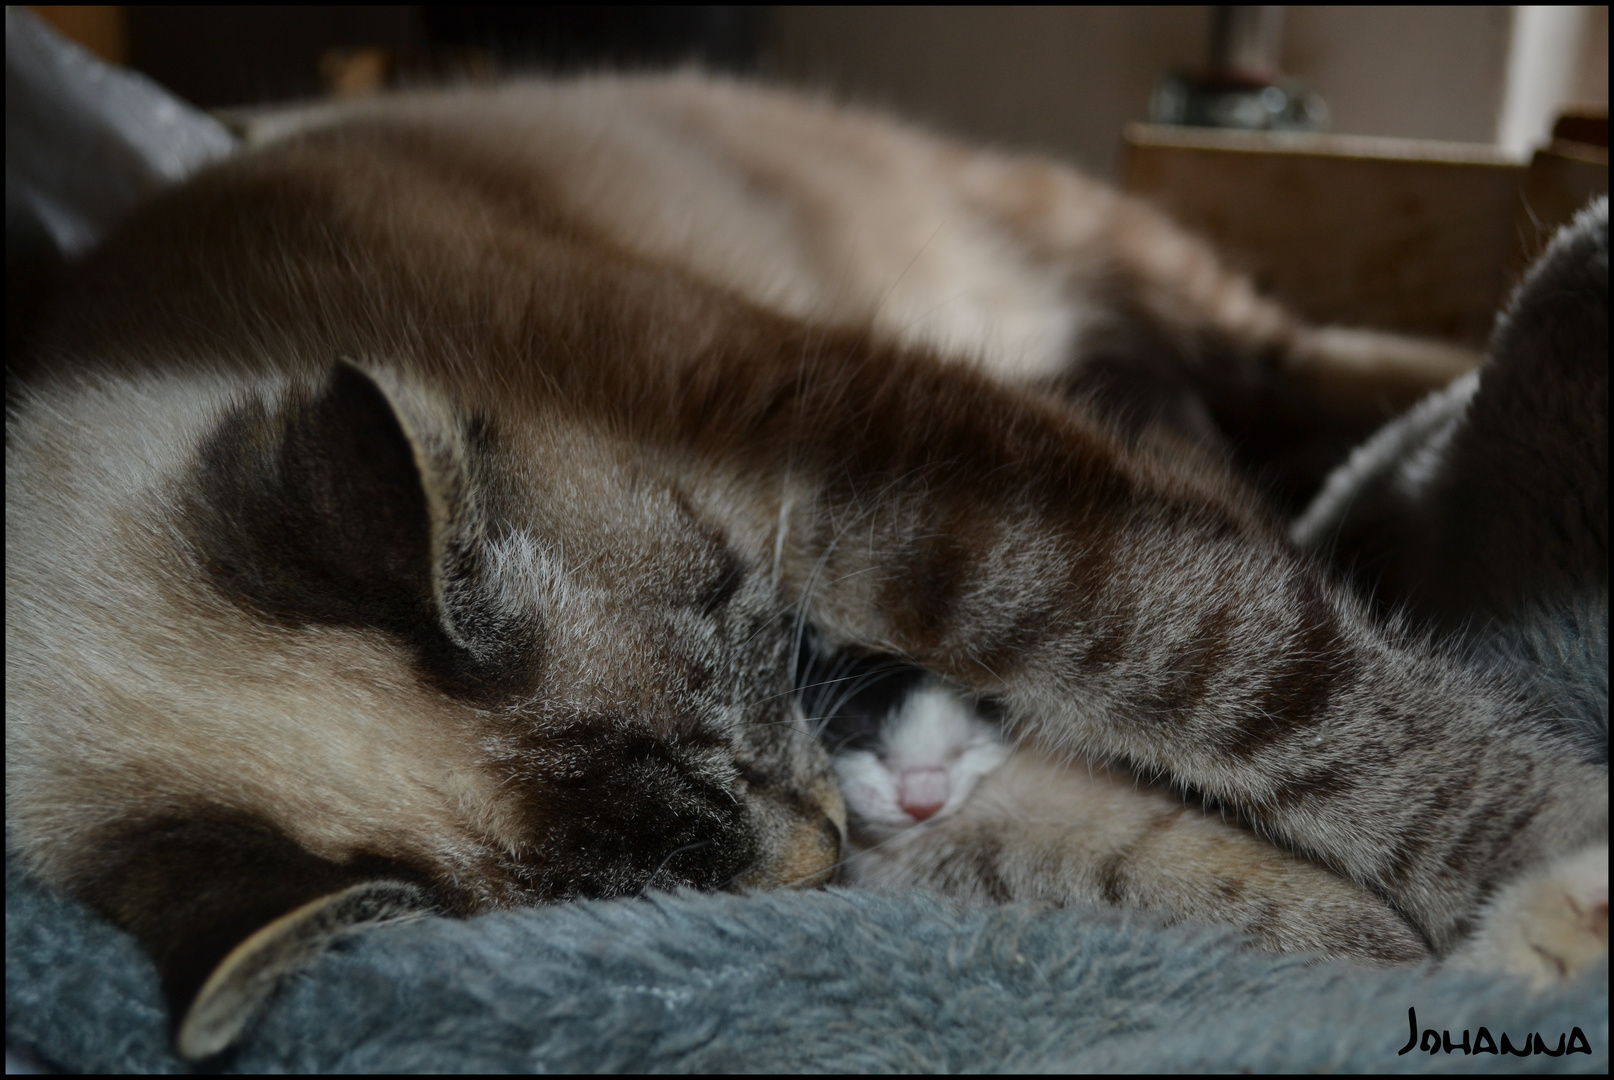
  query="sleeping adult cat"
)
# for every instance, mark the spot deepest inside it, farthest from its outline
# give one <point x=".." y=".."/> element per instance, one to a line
<point x="411" y="514"/>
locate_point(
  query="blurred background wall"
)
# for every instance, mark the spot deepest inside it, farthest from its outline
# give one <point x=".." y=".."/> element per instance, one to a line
<point x="1067" y="79"/>
<point x="1061" y="80"/>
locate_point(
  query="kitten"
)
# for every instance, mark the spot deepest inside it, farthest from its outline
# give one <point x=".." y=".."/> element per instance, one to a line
<point x="919" y="763"/>
<point x="423" y="511"/>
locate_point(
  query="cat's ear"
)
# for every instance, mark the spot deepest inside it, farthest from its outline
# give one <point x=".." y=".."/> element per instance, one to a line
<point x="227" y="905"/>
<point x="357" y="504"/>
<point x="246" y="978"/>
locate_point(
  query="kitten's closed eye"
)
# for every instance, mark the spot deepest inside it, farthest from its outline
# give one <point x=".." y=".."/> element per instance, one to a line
<point x="928" y="753"/>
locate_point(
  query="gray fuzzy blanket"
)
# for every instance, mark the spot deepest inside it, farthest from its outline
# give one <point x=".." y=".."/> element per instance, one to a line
<point x="826" y="981"/>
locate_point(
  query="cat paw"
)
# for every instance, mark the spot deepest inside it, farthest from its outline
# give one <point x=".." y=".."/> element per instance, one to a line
<point x="1547" y="926"/>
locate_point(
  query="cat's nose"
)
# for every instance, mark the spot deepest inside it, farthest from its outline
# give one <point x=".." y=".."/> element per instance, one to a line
<point x="922" y="792"/>
<point x="806" y="848"/>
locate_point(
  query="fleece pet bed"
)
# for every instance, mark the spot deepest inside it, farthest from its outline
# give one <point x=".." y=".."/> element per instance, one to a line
<point x="826" y="981"/>
<point x="830" y="980"/>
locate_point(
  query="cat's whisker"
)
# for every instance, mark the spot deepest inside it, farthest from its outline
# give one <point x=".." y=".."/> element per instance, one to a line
<point x="698" y="845"/>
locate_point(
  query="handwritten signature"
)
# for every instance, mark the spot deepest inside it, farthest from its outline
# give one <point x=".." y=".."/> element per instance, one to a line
<point x="1437" y="1041"/>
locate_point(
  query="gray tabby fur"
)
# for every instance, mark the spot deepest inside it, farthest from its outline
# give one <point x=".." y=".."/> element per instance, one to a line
<point x="31" y="977"/>
<point x="1491" y="498"/>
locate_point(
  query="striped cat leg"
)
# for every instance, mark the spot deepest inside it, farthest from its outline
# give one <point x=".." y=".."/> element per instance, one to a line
<point x="1131" y="608"/>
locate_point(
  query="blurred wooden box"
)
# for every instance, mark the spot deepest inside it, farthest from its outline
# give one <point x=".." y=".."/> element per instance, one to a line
<point x="1399" y="234"/>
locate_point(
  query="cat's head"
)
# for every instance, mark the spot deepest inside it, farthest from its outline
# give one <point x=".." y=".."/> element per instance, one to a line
<point x="627" y="665"/>
<point x="353" y="630"/>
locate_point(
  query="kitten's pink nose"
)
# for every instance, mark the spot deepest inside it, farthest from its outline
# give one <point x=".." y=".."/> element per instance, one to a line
<point x="921" y="792"/>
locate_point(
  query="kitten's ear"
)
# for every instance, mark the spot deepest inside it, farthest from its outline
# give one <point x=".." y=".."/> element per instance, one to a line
<point x="356" y="505"/>
<point x="254" y="969"/>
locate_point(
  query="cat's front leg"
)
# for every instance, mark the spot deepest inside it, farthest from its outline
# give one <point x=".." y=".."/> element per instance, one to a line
<point x="1133" y="609"/>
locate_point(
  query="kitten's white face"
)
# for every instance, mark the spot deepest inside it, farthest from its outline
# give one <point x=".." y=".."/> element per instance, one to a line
<point x="931" y="751"/>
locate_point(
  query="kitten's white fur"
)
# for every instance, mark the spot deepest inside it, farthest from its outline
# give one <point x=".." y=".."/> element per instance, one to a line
<point x="933" y="749"/>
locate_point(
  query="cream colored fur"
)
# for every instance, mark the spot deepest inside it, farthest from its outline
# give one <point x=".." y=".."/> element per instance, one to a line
<point x="841" y="217"/>
<point x="1023" y="823"/>
<point x="129" y="708"/>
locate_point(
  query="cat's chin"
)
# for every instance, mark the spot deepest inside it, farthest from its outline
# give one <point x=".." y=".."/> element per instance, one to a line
<point x="867" y="834"/>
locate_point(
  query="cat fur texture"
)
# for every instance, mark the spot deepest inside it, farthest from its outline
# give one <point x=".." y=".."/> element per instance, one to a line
<point x="421" y="512"/>
<point x="1483" y="513"/>
<point x="1505" y="552"/>
<point x="939" y="800"/>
